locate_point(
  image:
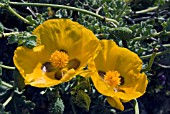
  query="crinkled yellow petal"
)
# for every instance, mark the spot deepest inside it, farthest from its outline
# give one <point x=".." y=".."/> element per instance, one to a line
<point x="101" y="86"/>
<point x="30" y="61"/>
<point x="57" y="34"/>
<point x="26" y="59"/>
<point x="127" y="63"/>
<point x="142" y="87"/>
<point x="64" y="34"/>
<point x="115" y="102"/>
<point x="135" y="89"/>
<point x="38" y="78"/>
<point x="105" y="60"/>
<point x="112" y="57"/>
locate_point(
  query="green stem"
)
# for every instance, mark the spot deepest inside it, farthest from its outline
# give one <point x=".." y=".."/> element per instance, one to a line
<point x="147" y="10"/>
<point x="122" y="11"/>
<point x="65" y="7"/>
<point x="8" y="34"/>
<point x="150" y="61"/>
<point x="136" y="107"/>
<point x="8" y="100"/>
<point x="1" y="5"/>
<point x="164" y="45"/>
<point x="14" y="12"/>
<point x="157" y="54"/>
<point x="149" y="36"/>
<point x="17" y="15"/>
<point x="7" y="67"/>
<point x="6" y="84"/>
<point x="72" y="106"/>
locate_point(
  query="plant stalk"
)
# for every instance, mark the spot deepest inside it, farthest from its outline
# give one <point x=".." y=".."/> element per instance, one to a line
<point x="66" y="7"/>
<point x="7" y="67"/>
<point x="14" y="12"/>
<point x="136" y="107"/>
<point x="157" y="54"/>
<point x="6" y="84"/>
<point x="148" y="68"/>
<point x="3" y="35"/>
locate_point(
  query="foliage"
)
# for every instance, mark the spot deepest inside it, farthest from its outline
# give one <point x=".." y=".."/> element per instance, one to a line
<point x="143" y="26"/>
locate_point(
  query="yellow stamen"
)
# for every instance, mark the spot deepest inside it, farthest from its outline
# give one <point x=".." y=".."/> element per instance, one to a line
<point x="59" y="59"/>
<point x="112" y="78"/>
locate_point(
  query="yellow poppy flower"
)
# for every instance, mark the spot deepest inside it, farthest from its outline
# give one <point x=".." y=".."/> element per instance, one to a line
<point x="63" y="49"/>
<point x="115" y="73"/>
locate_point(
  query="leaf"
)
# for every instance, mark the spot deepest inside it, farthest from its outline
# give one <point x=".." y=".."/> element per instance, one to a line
<point x="31" y="20"/>
<point x="18" y="80"/>
<point x="82" y="100"/>
<point x="59" y="106"/>
<point x="123" y="33"/>
<point x="12" y="39"/>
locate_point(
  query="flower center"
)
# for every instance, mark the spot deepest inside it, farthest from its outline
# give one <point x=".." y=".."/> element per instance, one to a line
<point x="59" y="59"/>
<point x="112" y="78"/>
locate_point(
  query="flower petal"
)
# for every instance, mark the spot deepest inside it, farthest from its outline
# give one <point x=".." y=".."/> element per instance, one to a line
<point x="26" y="59"/>
<point x="39" y="78"/>
<point x="101" y="86"/>
<point x="115" y="102"/>
<point x="134" y="89"/>
<point x="106" y="60"/>
<point x="127" y="63"/>
<point x="64" y="34"/>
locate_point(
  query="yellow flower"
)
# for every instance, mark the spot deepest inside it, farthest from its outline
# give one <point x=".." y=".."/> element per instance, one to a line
<point x="63" y="49"/>
<point x="115" y="73"/>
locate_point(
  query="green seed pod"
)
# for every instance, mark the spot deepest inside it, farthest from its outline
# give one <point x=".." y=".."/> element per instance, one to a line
<point x="123" y="33"/>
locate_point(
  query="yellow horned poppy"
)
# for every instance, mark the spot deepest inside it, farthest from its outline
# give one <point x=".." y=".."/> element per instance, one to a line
<point x="63" y="49"/>
<point x="115" y="73"/>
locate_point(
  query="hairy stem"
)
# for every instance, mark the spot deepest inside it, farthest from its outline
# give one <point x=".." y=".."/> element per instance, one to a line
<point x="157" y="54"/>
<point x="149" y="36"/>
<point x="122" y="11"/>
<point x="136" y="107"/>
<point x="148" y="68"/>
<point x="72" y="106"/>
<point x="65" y="7"/>
<point x="14" y="12"/>
<point x="7" y="67"/>
<point x="147" y="10"/>
<point x="2" y="35"/>
<point x="8" y="100"/>
<point x="17" y="15"/>
<point x="6" y="84"/>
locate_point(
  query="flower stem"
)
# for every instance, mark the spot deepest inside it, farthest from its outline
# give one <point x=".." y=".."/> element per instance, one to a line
<point x="147" y="10"/>
<point x="6" y="84"/>
<point x="164" y="45"/>
<point x="148" y="68"/>
<point x="2" y="5"/>
<point x="17" y="15"/>
<point x="2" y="35"/>
<point x="136" y="107"/>
<point x="14" y="12"/>
<point x="122" y="11"/>
<point x="65" y="7"/>
<point x="8" y="100"/>
<point x="7" y="67"/>
<point x="72" y="106"/>
<point x="157" y="54"/>
<point x="149" y="36"/>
